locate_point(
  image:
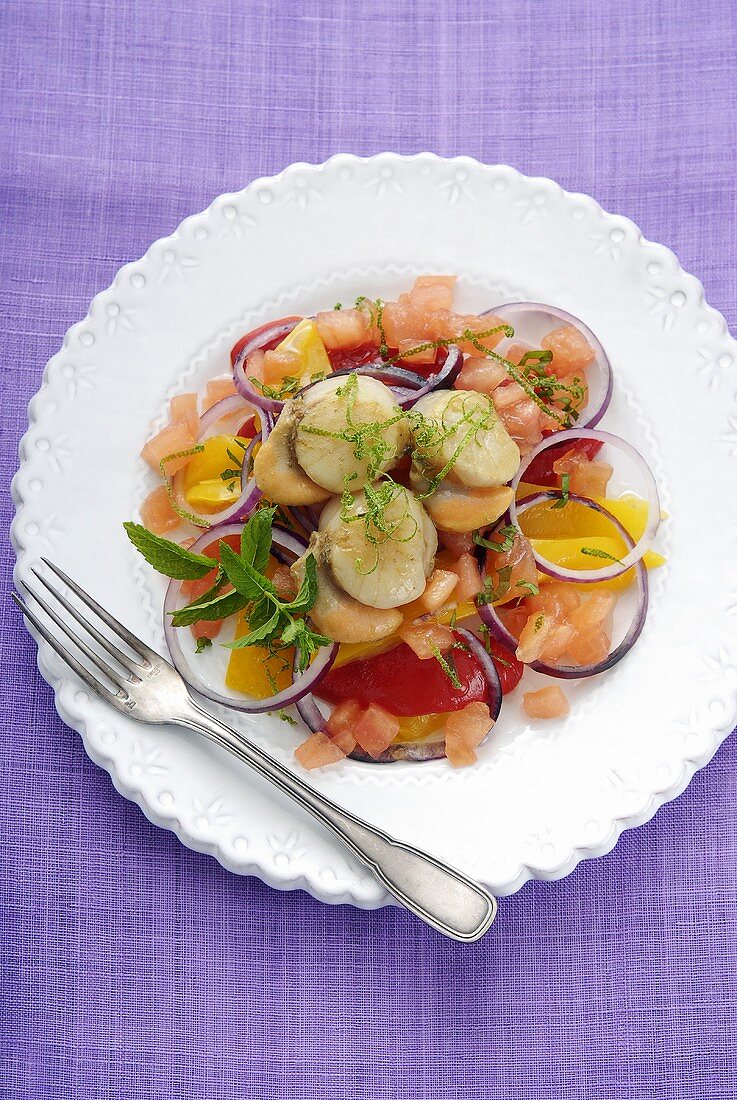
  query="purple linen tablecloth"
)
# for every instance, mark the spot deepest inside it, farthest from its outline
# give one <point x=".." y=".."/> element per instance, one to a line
<point x="134" y="969"/>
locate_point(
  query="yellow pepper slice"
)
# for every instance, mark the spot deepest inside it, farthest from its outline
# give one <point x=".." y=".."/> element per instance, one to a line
<point x="306" y="350"/>
<point x="205" y="489"/>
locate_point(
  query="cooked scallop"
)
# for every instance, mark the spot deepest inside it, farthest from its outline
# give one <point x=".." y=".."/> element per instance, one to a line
<point x="382" y="560"/>
<point x="338" y="616"/>
<point x="276" y="470"/>
<point x="453" y="508"/>
<point x="348" y="432"/>
<point x="462" y="431"/>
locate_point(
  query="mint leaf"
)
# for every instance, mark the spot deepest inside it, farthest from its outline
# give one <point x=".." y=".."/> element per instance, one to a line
<point x="167" y="557"/>
<point x="256" y="539"/>
<point x="259" y="635"/>
<point x="244" y="578"/>
<point x="220" y="608"/>
<point x="203" y="643"/>
<point x="305" y="598"/>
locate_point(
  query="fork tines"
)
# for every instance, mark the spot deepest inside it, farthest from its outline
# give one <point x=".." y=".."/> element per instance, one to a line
<point x="126" y="670"/>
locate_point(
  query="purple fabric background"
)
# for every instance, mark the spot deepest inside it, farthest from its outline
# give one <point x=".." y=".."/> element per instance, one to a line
<point x="133" y="968"/>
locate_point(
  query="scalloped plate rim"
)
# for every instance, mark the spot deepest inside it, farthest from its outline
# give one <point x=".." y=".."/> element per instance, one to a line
<point x="137" y="793"/>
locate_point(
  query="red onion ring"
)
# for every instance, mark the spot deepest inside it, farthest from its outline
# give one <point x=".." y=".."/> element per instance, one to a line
<point x="416" y="751"/>
<point x="607" y="572"/>
<point x="262" y="338"/>
<point x="488" y="614"/>
<point x="228" y="406"/>
<point x="250" y="494"/>
<point x="283" y="541"/>
<point x="600" y="387"/>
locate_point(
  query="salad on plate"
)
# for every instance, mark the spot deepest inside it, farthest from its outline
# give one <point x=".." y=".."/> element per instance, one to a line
<point x="386" y="512"/>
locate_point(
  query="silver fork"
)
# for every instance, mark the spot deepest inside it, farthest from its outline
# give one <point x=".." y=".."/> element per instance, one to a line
<point x="148" y="689"/>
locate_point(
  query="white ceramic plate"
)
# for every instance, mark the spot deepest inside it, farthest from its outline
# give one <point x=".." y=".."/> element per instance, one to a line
<point x="543" y="796"/>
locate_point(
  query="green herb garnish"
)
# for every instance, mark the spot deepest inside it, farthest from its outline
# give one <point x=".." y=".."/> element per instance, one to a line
<point x="530" y="586"/>
<point x="508" y="533"/>
<point x="446" y="666"/>
<point x="565" y="484"/>
<point x="167" y="557"/>
<point x="202" y="644"/>
<point x="492" y="594"/>
<point x="593" y="552"/>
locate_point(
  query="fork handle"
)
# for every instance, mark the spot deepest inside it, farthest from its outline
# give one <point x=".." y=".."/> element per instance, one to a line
<point x="444" y="898"/>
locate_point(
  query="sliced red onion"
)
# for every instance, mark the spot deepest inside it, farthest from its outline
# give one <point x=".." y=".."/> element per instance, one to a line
<point x="250" y="494"/>
<point x="443" y="379"/>
<point x="599" y="382"/>
<point x="305" y="682"/>
<point x="607" y="572"/>
<point x="288" y="547"/>
<point x="416" y="751"/>
<point x="489" y="615"/>
<point x="262" y="338"/>
<point x="305" y="517"/>
<point x="227" y="407"/>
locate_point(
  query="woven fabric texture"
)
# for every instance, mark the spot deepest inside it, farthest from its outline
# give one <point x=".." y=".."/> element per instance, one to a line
<point x="134" y="969"/>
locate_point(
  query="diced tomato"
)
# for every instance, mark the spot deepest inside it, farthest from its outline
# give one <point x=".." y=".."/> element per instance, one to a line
<point x="543" y="638"/>
<point x="237" y="348"/>
<point x="157" y="514"/>
<point x="421" y="357"/>
<point x="425" y="639"/>
<point x="217" y="390"/>
<point x="171" y="440"/>
<point x="571" y="350"/>
<point x="556" y="598"/>
<point x="519" y="557"/>
<point x="439" y="589"/>
<point x="341" y="724"/>
<point x="183" y="410"/>
<point x="457" y="543"/>
<point x="343" y="328"/>
<point x="541" y="472"/>
<point x="317" y="751"/>
<point x="375" y="730"/>
<point x="464" y="731"/>
<point x="548" y="702"/>
<point x="278" y="365"/>
<point x="588" y="479"/>
<point x="483" y="375"/>
<point x="469" y="578"/>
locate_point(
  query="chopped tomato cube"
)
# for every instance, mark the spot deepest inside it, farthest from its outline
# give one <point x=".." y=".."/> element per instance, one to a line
<point x="157" y="514"/>
<point x="548" y="702"/>
<point x="317" y="751"/>
<point x="375" y="730"/>
<point x="170" y="441"/>
<point x="425" y="639"/>
<point x="457" y="543"/>
<point x="464" y="731"/>
<point x="183" y="410"/>
<point x="343" y="328"/>
<point x="588" y="479"/>
<point x="469" y="578"/>
<point x="439" y="588"/>
<point x="217" y="390"/>
<point x="341" y="723"/>
<point x="571" y="350"/>
<point x="482" y="375"/>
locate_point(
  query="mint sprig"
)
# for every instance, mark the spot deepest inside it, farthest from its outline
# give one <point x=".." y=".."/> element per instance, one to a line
<point x="168" y="557"/>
